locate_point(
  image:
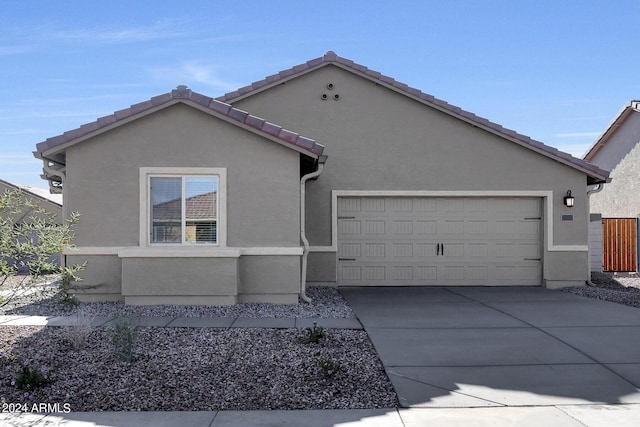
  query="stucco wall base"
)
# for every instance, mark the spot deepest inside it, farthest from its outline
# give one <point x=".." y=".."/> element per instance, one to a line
<point x="269" y="298"/>
<point x="269" y="275"/>
<point x="325" y="284"/>
<point x="169" y="279"/>
<point x="85" y="297"/>
<point x="559" y="284"/>
<point x="181" y="300"/>
<point x="321" y="267"/>
<point x="101" y="277"/>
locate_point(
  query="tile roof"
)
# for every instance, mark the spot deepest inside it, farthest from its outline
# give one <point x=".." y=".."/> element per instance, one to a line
<point x="629" y="108"/>
<point x="201" y="206"/>
<point x="183" y="94"/>
<point x="330" y="58"/>
<point x="35" y="191"/>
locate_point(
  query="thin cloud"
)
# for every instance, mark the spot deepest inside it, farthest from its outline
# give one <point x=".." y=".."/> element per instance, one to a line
<point x="577" y="135"/>
<point x="12" y="159"/>
<point x="194" y="72"/>
<point x="157" y="31"/>
<point x="14" y="50"/>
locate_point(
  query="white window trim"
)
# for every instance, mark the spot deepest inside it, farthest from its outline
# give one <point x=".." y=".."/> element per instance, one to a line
<point x="145" y="212"/>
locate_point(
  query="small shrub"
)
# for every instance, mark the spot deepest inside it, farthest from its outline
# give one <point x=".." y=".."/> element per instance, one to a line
<point x="123" y="337"/>
<point x="79" y="331"/>
<point x="30" y="240"/>
<point x="29" y="377"/>
<point x="316" y="334"/>
<point x="329" y="367"/>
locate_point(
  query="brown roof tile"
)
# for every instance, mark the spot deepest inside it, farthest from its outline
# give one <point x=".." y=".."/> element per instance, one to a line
<point x="198" y="207"/>
<point x="286" y="137"/>
<point x="330" y="58"/>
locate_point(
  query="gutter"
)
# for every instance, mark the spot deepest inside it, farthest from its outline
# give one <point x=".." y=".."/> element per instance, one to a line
<point x="303" y="236"/>
<point x="598" y="189"/>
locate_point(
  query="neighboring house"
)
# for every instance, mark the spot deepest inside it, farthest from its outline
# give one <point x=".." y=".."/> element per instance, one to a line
<point x="43" y="198"/>
<point x="415" y="192"/>
<point x="617" y="205"/>
<point x="51" y="203"/>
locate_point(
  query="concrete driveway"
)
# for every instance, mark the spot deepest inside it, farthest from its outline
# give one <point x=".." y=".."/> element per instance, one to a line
<point x="497" y="347"/>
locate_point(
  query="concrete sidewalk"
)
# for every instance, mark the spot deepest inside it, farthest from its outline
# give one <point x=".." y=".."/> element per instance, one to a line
<point x="547" y="416"/>
<point x="189" y="322"/>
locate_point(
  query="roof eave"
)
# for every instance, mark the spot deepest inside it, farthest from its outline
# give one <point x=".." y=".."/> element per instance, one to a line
<point x="56" y="146"/>
<point x="330" y="58"/>
<point x="617" y="121"/>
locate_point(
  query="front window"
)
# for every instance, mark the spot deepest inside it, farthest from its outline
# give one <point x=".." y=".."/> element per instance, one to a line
<point x="184" y="209"/>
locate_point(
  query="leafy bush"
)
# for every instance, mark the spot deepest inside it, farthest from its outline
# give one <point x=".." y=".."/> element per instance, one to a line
<point x="123" y="337"/>
<point x="78" y="333"/>
<point x="30" y="376"/>
<point x="30" y="241"/>
<point x="316" y="334"/>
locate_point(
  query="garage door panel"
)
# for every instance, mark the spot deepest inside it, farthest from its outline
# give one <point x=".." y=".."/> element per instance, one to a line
<point x="477" y="227"/>
<point x="350" y="250"/>
<point x="373" y="205"/>
<point x="402" y="250"/>
<point x="350" y="227"/>
<point x="375" y="227"/>
<point x="402" y="228"/>
<point x="439" y="241"/>
<point x="426" y="228"/>
<point x="375" y="250"/>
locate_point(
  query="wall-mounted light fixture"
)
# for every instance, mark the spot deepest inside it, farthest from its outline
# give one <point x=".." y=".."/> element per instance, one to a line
<point x="569" y="199"/>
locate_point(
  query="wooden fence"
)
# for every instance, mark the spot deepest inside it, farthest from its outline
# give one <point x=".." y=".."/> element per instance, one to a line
<point x="619" y="244"/>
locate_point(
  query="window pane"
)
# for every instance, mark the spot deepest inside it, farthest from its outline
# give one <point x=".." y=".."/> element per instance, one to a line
<point x="166" y="210"/>
<point x="201" y="201"/>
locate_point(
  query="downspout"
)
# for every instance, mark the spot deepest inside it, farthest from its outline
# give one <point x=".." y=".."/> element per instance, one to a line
<point x="63" y="177"/>
<point x="303" y="236"/>
<point x="598" y="189"/>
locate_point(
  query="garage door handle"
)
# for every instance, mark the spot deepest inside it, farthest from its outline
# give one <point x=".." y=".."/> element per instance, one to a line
<point x="346" y="259"/>
<point x="532" y="259"/>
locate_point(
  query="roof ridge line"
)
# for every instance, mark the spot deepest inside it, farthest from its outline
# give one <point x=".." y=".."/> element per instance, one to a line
<point x="330" y="57"/>
<point x="183" y="93"/>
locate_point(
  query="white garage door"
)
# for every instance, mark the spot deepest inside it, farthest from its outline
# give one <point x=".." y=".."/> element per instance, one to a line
<point x="439" y="241"/>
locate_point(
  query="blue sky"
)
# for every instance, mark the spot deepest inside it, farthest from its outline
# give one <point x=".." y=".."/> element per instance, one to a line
<point x="558" y="71"/>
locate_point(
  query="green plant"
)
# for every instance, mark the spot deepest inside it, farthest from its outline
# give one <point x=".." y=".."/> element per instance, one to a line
<point x="231" y="352"/>
<point x="77" y="334"/>
<point x="67" y="277"/>
<point x="29" y="377"/>
<point x="123" y="336"/>
<point x="329" y="367"/>
<point x="30" y="240"/>
<point x="316" y="334"/>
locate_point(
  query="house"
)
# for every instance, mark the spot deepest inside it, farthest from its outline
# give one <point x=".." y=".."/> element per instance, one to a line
<point x="616" y="205"/>
<point x="388" y="186"/>
<point x="50" y="203"/>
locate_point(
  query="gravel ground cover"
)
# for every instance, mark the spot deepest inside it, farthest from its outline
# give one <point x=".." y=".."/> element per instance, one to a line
<point x="44" y="299"/>
<point x="209" y="368"/>
<point x="618" y="288"/>
<point x="187" y="368"/>
<point x="197" y="369"/>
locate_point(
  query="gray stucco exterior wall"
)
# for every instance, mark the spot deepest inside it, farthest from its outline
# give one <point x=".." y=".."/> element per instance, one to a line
<point x="380" y="140"/>
<point x="621" y="154"/>
<point x="262" y="202"/>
